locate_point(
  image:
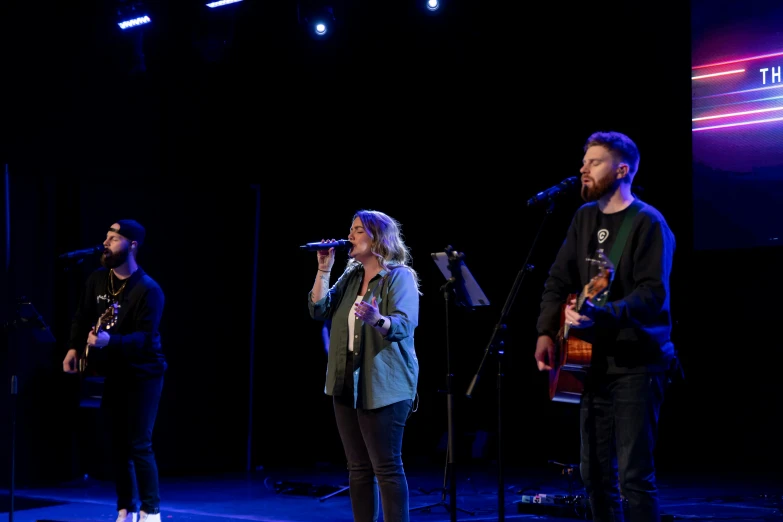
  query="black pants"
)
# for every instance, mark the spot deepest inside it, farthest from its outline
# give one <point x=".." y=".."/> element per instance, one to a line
<point x="130" y="407"/>
<point x="372" y="440"/>
<point x="619" y="429"/>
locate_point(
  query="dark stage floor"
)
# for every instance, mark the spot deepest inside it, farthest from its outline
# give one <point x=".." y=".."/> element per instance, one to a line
<point x="297" y="495"/>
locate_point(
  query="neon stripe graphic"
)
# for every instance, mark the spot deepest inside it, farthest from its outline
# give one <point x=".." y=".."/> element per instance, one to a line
<point x="727" y="125"/>
<point x="717" y="74"/>
<point x="759" y="57"/>
<point x="743" y="113"/>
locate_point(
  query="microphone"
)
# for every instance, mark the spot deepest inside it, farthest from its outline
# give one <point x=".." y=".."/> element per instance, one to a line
<point x="340" y="243"/>
<point x="82" y="253"/>
<point x="553" y="192"/>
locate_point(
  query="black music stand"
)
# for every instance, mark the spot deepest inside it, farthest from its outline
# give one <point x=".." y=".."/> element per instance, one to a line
<point x="460" y="281"/>
<point x="27" y="318"/>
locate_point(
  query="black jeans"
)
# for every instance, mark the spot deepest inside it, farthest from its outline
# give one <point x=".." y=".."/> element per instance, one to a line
<point x="130" y="407"/>
<point x="372" y="440"/>
<point x="619" y="428"/>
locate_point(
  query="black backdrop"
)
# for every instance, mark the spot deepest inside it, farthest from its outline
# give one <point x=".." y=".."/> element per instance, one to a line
<point x="236" y="146"/>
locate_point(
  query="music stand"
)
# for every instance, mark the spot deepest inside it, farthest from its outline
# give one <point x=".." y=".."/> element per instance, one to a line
<point x="460" y="281"/>
<point x="27" y="317"/>
<point x="454" y="269"/>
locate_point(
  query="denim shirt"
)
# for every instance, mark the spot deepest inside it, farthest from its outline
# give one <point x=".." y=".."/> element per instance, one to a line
<point x="386" y="369"/>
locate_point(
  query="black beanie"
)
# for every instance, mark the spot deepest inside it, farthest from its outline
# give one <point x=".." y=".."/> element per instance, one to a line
<point x="131" y="229"/>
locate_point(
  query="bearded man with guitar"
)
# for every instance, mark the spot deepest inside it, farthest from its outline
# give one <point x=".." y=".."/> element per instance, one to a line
<point x="124" y="346"/>
<point x="605" y="330"/>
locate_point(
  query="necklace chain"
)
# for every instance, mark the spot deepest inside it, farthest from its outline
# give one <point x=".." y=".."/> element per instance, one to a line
<point x="111" y="283"/>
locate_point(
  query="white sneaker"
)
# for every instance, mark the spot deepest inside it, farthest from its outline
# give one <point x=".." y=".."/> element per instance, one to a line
<point x="124" y="516"/>
<point x="145" y="517"/>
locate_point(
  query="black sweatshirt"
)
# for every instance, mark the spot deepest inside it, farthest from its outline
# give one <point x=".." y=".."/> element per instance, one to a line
<point x="134" y="349"/>
<point x="632" y="330"/>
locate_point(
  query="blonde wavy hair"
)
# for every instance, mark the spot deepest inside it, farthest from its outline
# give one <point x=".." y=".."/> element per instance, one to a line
<point x="387" y="242"/>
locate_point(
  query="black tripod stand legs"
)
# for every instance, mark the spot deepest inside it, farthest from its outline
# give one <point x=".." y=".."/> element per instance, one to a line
<point x="445" y="505"/>
<point x="330" y="495"/>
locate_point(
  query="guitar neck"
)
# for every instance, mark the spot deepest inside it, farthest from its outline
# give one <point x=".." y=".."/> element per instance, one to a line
<point x="580" y="302"/>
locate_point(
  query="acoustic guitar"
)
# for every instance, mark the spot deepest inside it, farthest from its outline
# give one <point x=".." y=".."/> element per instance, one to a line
<point x="574" y="346"/>
<point x="107" y="319"/>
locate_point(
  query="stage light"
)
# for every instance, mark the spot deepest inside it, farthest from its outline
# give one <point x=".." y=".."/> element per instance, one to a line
<point x="131" y="14"/>
<point x="132" y="17"/>
<point x="317" y="19"/>
<point x="213" y="36"/>
<point x="431" y="7"/>
<point x="133" y="22"/>
<point x="221" y="3"/>
<point x="320" y="20"/>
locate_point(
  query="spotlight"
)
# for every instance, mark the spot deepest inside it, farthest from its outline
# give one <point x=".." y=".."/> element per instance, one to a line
<point x="431" y="7"/>
<point x="320" y="20"/>
<point x="317" y="19"/>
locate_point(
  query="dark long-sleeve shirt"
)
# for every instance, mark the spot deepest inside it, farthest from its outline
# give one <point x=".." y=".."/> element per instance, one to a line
<point x="134" y="348"/>
<point x="632" y="330"/>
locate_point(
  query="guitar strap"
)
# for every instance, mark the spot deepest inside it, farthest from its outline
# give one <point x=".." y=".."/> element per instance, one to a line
<point x="619" y="244"/>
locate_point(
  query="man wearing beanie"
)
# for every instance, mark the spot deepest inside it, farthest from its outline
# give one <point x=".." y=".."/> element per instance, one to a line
<point x="115" y="332"/>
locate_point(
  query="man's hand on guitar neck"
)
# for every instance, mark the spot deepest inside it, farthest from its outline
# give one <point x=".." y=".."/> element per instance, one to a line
<point x="576" y="320"/>
<point x="98" y="340"/>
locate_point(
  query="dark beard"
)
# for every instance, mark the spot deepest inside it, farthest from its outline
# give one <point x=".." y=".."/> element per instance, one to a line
<point x="114" y="260"/>
<point x="600" y="189"/>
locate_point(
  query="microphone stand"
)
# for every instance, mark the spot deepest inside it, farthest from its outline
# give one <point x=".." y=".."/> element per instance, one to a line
<point x="501" y="327"/>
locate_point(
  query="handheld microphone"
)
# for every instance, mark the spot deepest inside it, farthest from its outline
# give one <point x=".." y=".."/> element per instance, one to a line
<point x="82" y="253"/>
<point x="340" y="243"/>
<point x="553" y="192"/>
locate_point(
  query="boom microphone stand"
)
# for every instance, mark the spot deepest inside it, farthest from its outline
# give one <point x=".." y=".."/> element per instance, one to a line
<point x="491" y="346"/>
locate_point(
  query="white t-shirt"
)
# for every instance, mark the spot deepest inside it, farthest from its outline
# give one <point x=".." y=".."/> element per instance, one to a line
<point x="352" y="322"/>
